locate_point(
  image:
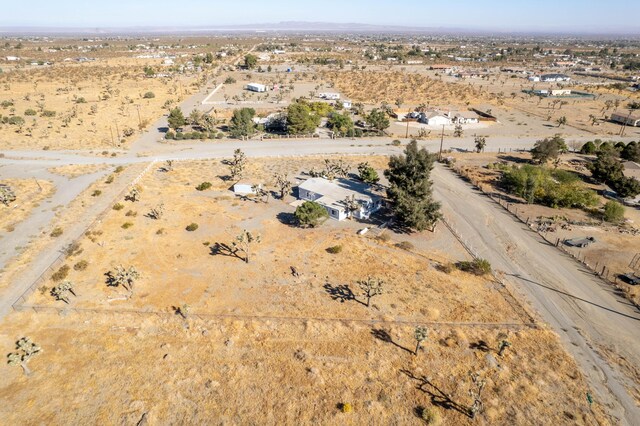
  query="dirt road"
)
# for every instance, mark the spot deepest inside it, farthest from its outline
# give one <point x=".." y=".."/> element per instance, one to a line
<point x="581" y="308"/>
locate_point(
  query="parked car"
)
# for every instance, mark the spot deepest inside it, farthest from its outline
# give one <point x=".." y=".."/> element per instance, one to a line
<point x="630" y="278"/>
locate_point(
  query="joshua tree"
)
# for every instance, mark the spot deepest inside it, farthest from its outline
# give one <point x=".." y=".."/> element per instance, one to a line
<point x="238" y="164"/>
<point x="261" y="192"/>
<point x="133" y="196"/>
<point x="476" y="394"/>
<point x="7" y="196"/>
<point x="351" y="205"/>
<point x="481" y="143"/>
<point x="123" y="277"/>
<point x="561" y="121"/>
<point x="168" y="166"/>
<point x="457" y="132"/>
<point x="156" y="212"/>
<point x="371" y="287"/>
<point x="62" y="291"/>
<point x="283" y="184"/>
<point x="243" y="243"/>
<point x="25" y="350"/>
<point x="420" y="334"/>
<point x="332" y="169"/>
<point x="183" y="310"/>
<point x="504" y="344"/>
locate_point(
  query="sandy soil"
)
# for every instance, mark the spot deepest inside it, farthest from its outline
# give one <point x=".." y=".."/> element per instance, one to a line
<point x="76" y="170"/>
<point x="114" y="91"/>
<point x="29" y="194"/>
<point x="263" y="346"/>
<point x="615" y="246"/>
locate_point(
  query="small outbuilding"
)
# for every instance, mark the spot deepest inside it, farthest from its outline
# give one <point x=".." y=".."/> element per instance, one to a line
<point x="256" y="87"/>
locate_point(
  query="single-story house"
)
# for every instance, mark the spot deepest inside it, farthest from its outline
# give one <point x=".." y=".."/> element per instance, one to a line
<point x="555" y="77"/>
<point x="436" y="118"/>
<point x="346" y="104"/>
<point x="533" y="78"/>
<point x="333" y="196"/>
<point x="560" y="92"/>
<point x="256" y="87"/>
<point x="329" y="96"/>
<point x="626" y="118"/>
<point x="466" y="117"/>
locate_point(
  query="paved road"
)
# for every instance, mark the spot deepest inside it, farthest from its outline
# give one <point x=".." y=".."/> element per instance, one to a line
<point x="581" y="308"/>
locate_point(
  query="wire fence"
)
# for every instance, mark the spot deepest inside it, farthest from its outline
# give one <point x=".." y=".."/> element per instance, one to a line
<point x="599" y="269"/>
<point x="60" y="259"/>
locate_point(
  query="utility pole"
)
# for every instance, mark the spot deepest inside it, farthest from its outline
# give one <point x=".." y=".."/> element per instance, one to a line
<point x="111" y="131"/>
<point x="406" y="136"/>
<point x="441" y="142"/>
<point x="139" y="119"/>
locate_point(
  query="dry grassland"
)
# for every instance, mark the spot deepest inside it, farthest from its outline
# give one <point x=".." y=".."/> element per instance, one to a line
<point x="29" y="194"/>
<point x="90" y="105"/>
<point x="261" y="346"/>
<point x="374" y="87"/>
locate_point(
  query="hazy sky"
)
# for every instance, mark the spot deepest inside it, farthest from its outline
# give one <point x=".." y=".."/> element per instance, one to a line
<point x="507" y="15"/>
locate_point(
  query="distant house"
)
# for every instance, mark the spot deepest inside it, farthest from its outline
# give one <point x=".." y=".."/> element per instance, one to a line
<point x="329" y="96"/>
<point x="465" y="117"/>
<point x="447" y="69"/>
<point x="626" y="118"/>
<point x="12" y="58"/>
<point x="533" y="78"/>
<point x="554" y="77"/>
<point x="346" y="104"/>
<point x="255" y="87"/>
<point x="436" y="118"/>
<point x="559" y="92"/>
<point x="332" y="195"/>
<point x="168" y="62"/>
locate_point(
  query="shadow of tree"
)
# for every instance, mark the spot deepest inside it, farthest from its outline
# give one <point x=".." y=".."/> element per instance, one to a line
<point x="342" y="293"/>
<point x="384" y="335"/>
<point x="222" y="249"/>
<point x="480" y="345"/>
<point x="438" y="396"/>
<point x="287" y="218"/>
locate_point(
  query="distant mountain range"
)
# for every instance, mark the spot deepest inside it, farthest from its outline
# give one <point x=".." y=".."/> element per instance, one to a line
<point x="286" y="26"/>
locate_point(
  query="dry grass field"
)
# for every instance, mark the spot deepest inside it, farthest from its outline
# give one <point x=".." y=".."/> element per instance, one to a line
<point x="30" y="193"/>
<point x="83" y="106"/>
<point x="260" y="345"/>
<point x="374" y="87"/>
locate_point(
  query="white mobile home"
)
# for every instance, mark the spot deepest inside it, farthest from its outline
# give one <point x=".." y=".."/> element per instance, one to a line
<point x="255" y="87"/>
<point x="329" y="96"/>
<point x="332" y="195"/>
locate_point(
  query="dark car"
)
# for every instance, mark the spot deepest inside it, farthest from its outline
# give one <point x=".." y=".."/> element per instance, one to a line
<point x="629" y="279"/>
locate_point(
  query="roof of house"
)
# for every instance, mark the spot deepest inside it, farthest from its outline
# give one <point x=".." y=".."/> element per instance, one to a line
<point x="631" y="169"/>
<point x="434" y="114"/>
<point x="625" y="115"/>
<point x="335" y="192"/>
<point x="466" y="114"/>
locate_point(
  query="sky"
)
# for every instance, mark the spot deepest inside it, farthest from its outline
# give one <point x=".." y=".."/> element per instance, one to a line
<point x="584" y="16"/>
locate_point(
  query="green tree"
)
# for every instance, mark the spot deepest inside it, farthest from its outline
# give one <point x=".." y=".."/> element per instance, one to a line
<point x="631" y="152"/>
<point x="242" y="124"/>
<point x="301" y="119"/>
<point x="310" y="214"/>
<point x="410" y="188"/>
<point x="378" y="120"/>
<point x="549" y="149"/>
<point x="250" y="61"/>
<point x="367" y="174"/>
<point x="176" y="118"/>
<point x="420" y="334"/>
<point x="340" y="123"/>
<point x="588" y="148"/>
<point x="457" y="132"/>
<point x="613" y="212"/>
<point x="561" y="121"/>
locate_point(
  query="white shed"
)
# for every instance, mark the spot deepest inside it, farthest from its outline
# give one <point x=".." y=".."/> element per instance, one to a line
<point x="243" y="188"/>
<point x="255" y="87"/>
